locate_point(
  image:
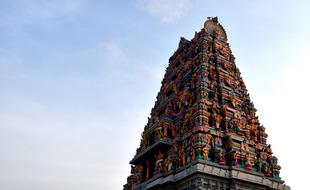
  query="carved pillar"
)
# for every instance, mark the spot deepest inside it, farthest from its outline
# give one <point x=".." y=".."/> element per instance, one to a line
<point x="147" y="174"/>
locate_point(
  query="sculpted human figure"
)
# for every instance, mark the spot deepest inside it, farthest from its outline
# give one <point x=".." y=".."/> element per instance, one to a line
<point x="170" y="163"/>
<point x="168" y="110"/>
<point x="165" y="165"/>
<point x="233" y="125"/>
<point x="263" y="154"/>
<point x="200" y="139"/>
<point x="228" y="143"/>
<point x="181" y="157"/>
<point x="275" y="167"/>
<point x="267" y="170"/>
<point x="215" y="108"/>
<point x="253" y="131"/>
<point x="268" y="149"/>
<point x="247" y="131"/>
<point x="260" y="134"/>
<point x="248" y="162"/>
<point x="188" y="116"/>
<point x="274" y="160"/>
<point x="143" y="143"/>
<point x="212" y="91"/>
<point x="139" y="173"/>
<point x="235" y="159"/>
<point x="205" y="152"/>
<point x="220" y="157"/>
<point x="159" y="158"/>
<point x="218" y="142"/>
<point x="192" y="153"/>
<point x="259" y="163"/>
<point x="228" y="82"/>
<point x="238" y="124"/>
<point x="216" y="119"/>
<point x="209" y="138"/>
<point x="244" y="129"/>
<point x="253" y="125"/>
<point x="159" y="129"/>
<point x="233" y="101"/>
<point x="244" y="147"/>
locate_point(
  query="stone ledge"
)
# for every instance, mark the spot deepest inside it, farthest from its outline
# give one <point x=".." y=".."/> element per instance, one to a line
<point x="215" y="170"/>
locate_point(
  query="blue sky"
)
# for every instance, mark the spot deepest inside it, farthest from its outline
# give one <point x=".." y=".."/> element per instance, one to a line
<point x="78" y="80"/>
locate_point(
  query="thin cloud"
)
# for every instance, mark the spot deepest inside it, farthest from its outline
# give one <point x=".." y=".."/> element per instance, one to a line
<point x="166" y="10"/>
<point x="113" y="49"/>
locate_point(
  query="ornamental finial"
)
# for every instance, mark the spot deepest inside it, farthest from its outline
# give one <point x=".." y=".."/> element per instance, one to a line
<point x="215" y="19"/>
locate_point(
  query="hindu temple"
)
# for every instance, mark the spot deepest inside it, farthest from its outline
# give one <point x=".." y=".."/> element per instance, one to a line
<point x="203" y="132"/>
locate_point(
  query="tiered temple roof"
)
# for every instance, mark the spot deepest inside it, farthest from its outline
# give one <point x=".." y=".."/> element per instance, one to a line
<point x="203" y="114"/>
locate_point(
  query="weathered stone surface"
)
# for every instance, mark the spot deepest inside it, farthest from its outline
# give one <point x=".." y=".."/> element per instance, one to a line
<point x="204" y="176"/>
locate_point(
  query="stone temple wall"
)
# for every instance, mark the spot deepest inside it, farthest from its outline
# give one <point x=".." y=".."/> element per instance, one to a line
<point x="204" y="175"/>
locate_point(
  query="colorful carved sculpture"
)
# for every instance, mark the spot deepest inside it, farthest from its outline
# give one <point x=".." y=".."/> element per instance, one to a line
<point x="203" y="112"/>
<point x="205" y="151"/>
<point x="159" y="159"/>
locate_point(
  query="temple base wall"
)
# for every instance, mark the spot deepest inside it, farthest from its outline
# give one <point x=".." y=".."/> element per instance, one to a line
<point x="204" y="175"/>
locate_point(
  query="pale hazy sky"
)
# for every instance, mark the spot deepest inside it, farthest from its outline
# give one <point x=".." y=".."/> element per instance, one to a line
<point x="78" y="79"/>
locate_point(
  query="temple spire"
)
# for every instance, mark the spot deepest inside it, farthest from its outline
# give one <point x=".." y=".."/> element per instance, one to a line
<point x="204" y="119"/>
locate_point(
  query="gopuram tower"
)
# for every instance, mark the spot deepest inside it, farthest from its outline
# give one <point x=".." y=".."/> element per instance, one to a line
<point x="203" y="132"/>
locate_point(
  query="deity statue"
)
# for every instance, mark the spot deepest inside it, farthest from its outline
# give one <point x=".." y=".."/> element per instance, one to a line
<point x="187" y="117"/>
<point x="253" y="132"/>
<point x="248" y="162"/>
<point x="216" y="119"/>
<point x="268" y="149"/>
<point x="274" y="160"/>
<point x="220" y="157"/>
<point x="264" y="154"/>
<point x="259" y="164"/>
<point x="143" y="140"/>
<point x="228" y="81"/>
<point x="247" y="131"/>
<point x="244" y="147"/>
<point x="166" y="164"/>
<point x="181" y="157"/>
<point x="275" y="167"/>
<point x="235" y="159"/>
<point x="233" y="125"/>
<point x="218" y="142"/>
<point x="200" y="140"/>
<point x="212" y="93"/>
<point x="233" y="100"/>
<point x="139" y="173"/>
<point x="267" y="170"/>
<point x="205" y="152"/>
<point x="209" y="138"/>
<point x="228" y="143"/>
<point x="244" y="129"/>
<point x="192" y="153"/>
<point x="168" y="110"/>
<point x="159" y="158"/>
<point x="159" y="129"/>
